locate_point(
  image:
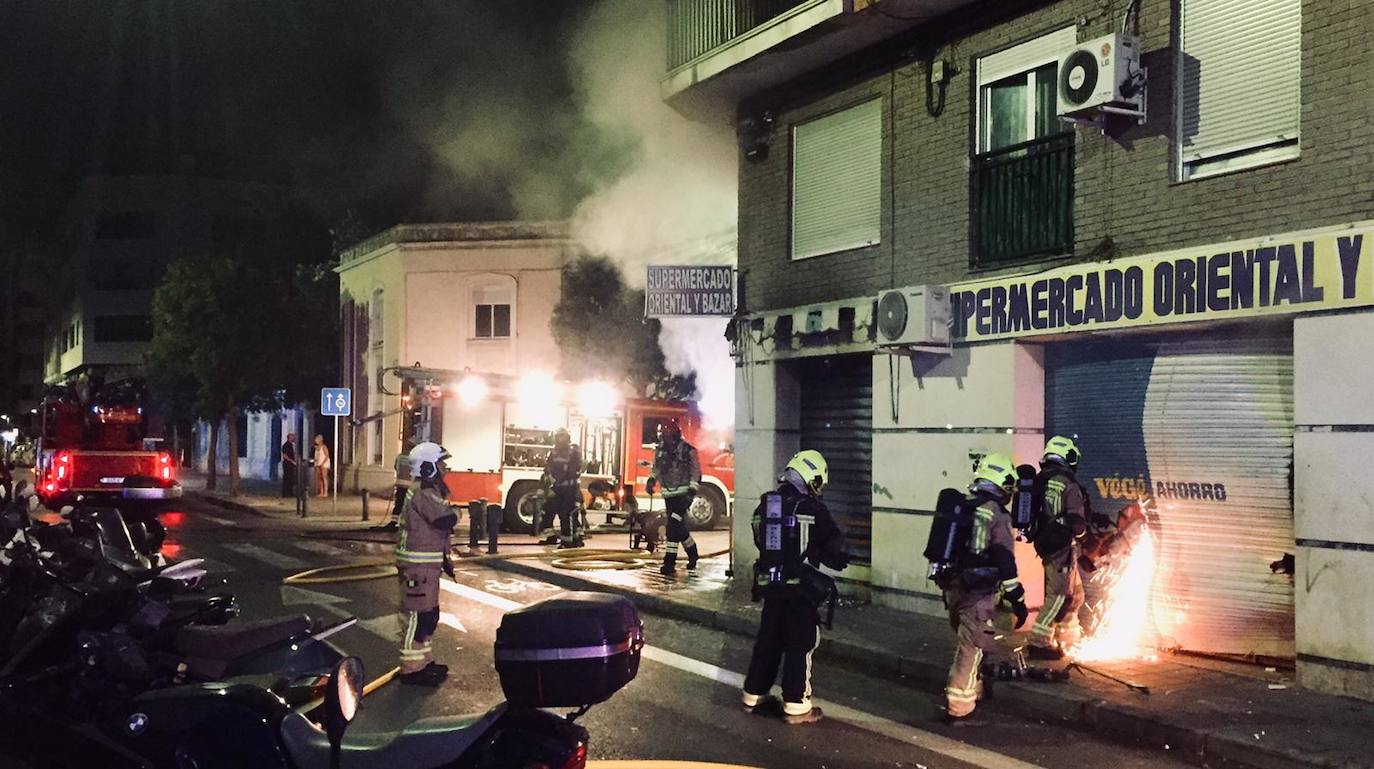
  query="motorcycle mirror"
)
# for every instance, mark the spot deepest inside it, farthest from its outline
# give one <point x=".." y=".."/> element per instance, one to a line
<point x="341" y="700"/>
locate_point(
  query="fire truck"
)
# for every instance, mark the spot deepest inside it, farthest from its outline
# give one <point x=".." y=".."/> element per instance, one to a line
<point x="94" y="445"/>
<point x="500" y="429"/>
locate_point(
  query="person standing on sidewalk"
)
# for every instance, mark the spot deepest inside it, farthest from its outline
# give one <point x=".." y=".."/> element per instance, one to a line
<point x="678" y="471"/>
<point x="986" y="566"/>
<point x="422" y="555"/>
<point x="562" y="471"/>
<point x="400" y="487"/>
<point x="792" y="590"/>
<point x="290" y="466"/>
<point x="322" y="463"/>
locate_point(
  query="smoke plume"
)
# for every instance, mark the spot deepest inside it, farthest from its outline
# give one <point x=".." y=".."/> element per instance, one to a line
<point x="675" y="200"/>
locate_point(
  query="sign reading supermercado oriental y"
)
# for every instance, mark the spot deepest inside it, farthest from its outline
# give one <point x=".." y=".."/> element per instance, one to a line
<point x="689" y="290"/>
<point x="1324" y="269"/>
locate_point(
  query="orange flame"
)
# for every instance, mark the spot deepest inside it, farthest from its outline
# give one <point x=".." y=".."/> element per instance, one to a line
<point x="1125" y="617"/>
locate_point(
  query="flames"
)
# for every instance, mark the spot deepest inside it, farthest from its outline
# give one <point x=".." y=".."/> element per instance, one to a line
<point x="1122" y="624"/>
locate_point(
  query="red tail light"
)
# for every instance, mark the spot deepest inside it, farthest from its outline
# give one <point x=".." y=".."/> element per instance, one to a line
<point x="578" y="760"/>
<point x="63" y="471"/>
<point x="164" y="466"/>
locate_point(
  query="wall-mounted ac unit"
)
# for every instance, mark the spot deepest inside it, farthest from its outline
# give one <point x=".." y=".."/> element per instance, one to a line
<point x="1101" y="73"/>
<point x="915" y="316"/>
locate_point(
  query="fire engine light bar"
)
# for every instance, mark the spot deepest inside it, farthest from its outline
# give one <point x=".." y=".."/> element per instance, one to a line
<point x="537" y="390"/>
<point x="596" y="399"/>
<point x="472" y="390"/>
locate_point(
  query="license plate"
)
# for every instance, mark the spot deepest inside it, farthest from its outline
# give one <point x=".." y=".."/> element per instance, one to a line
<point x="112" y="479"/>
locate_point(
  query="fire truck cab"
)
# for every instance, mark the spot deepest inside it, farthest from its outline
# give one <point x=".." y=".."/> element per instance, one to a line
<point x="94" y="446"/>
<point x="500" y="429"/>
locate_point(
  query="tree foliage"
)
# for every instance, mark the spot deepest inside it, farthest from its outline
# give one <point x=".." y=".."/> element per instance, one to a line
<point x="601" y="332"/>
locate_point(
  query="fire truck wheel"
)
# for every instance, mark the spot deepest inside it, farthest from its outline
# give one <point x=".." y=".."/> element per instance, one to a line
<point x="707" y="509"/>
<point x="523" y="505"/>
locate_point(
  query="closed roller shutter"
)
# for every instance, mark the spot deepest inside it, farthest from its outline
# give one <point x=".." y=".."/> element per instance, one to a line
<point x="837" y="420"/>
<point x="837" y="169"/>
<point x="1206" y="427"/>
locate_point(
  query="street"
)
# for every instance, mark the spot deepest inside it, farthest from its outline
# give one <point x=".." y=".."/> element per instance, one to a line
<point x="684" y="705"/>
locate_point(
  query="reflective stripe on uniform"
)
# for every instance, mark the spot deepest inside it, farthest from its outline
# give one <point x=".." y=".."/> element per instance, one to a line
<point x="411" y="557"/>
<point x="982" y="526"/>
<point x="1044" y="621"/>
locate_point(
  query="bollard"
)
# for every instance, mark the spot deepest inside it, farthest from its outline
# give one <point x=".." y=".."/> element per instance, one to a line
<point x="367" y="495"/>
<point x="494" y="516"/>
<point x="476" y="521"/>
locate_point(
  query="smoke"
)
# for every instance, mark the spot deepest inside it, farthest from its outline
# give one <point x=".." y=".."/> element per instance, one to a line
<point x="675" y="200"/>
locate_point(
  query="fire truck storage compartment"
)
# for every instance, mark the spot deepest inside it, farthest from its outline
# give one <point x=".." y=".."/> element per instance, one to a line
<point x="837" y="420"/>
<point x="1205" y="427"/>
<point x="576" y="649"/>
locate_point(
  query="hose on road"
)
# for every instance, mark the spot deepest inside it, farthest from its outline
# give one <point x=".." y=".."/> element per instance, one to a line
<point x="571" y="559"/>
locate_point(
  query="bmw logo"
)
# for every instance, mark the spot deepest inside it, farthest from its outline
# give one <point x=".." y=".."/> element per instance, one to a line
<point x="137" y="723"/>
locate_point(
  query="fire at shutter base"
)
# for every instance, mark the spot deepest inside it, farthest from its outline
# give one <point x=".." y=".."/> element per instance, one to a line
<point x="1122" y="625"/>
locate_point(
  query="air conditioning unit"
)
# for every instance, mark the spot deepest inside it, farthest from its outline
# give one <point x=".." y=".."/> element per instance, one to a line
<point x="1101" y="75"/>
<point x="915" y="316"/>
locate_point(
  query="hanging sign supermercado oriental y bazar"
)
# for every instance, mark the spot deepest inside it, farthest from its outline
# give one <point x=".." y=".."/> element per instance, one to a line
<point x="1324" y="269"/>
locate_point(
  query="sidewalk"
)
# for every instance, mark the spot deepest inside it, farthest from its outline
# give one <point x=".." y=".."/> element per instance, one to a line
<point x="1207" y="711"/>
<point x="264" y="498"/>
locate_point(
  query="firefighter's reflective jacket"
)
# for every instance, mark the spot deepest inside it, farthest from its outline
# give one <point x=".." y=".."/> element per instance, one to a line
<point x="676" y="468"/>
<point x="778" y="536"/>
<point x="990" y="562"/>
<point x="426" y="523"/>
<point x="564" y="466"/>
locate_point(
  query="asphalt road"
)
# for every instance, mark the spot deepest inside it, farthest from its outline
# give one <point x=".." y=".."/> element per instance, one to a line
<point x="684" y="705"/>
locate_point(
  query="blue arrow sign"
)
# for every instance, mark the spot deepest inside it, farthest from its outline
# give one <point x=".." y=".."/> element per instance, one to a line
<point x="336" y="402"/>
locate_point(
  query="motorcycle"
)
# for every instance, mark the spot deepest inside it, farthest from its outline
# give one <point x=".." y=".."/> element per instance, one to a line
<point x="572" y="651"/>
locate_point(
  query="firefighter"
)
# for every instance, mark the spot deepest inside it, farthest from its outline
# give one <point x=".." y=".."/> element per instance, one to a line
<point x="1063" y="525"/>
<point x="678" y="471"/>
<point x="791" y="589"/>
<point x="422" y="554"/>
<point x="561" y="472"/>
<point x="986" y="566"/>
<point x="400" y="488"/>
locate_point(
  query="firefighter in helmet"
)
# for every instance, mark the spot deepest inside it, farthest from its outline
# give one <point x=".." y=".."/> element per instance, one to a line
<point x="985" y="568"/>
<point x="677" y="470"/>
<point x="422" y="555"/>
<point x="791" y="589"/>
<point x="1063" y="524"/>
<point x="561" y="473"/>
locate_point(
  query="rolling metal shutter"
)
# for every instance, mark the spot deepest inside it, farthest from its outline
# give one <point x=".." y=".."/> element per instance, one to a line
<point x="1205" y="428"/>
<point x="1240" y="66"/>
<point x="837" y="170"/>
<point x="837" y="420"/>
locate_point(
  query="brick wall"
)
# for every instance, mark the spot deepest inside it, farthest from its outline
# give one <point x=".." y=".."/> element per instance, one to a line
<point x="1125" y="186"/>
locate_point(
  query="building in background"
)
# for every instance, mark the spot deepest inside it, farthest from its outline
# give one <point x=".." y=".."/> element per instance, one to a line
<point x="1186" y="289"/>
<point x="454" y="296"/>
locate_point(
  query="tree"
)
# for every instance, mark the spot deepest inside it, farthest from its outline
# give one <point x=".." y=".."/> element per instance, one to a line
<point x="599" y="326"/>
<point x="235" y="331"/>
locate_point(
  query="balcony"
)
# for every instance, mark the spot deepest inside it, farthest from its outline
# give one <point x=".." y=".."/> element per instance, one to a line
<point x="722" y="51"/>
<point x="1022" y="201"/>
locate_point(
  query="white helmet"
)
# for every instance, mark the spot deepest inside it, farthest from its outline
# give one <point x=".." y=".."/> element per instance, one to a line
<point x="425" y="459"/>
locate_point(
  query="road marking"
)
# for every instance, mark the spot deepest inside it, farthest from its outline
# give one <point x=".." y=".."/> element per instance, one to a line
<point x="220" y="521"/>
<point x="904" y="733"/>
<point x="319" y="548"/>
<point x="452" y="621"/>
<point x="269" y="557"/>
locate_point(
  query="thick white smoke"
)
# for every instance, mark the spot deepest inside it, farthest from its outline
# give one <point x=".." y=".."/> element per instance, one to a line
<point x="676" y="202"/>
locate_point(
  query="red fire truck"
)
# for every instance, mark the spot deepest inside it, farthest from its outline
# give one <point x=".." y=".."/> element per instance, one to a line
<point x="500" y="431"/>
<point x="94" y="445"/>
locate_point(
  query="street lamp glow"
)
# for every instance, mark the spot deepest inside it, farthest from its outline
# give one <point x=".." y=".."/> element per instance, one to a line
<point x="472" y="390"/>
<point x="596" y="399"/>
<point x="537" y="390"/>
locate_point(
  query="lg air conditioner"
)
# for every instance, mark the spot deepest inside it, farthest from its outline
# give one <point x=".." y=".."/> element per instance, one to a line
<point x="1102" y="75"/>
<point x="914" y="317"/>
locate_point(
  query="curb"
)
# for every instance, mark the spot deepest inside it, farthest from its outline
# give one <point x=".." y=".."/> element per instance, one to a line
<point x="227" y="504"/>
<point x="1120" y="723"/>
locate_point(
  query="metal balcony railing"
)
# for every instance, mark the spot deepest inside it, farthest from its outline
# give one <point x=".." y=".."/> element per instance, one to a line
<point x="697" y="26"/>
<point x="1022" y="201"/>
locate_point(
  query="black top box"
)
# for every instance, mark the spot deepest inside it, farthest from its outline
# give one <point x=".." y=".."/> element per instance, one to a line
<point x="572" y="650"/>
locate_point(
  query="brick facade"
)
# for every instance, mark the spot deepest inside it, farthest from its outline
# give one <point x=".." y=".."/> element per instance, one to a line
<point x="1126" y="187"/>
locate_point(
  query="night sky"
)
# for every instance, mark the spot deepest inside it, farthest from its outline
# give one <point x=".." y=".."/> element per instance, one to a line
<point x="414" y="110"/>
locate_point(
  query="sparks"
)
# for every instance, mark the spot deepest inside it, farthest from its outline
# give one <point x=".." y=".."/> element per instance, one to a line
<point x="1124" y="626"/>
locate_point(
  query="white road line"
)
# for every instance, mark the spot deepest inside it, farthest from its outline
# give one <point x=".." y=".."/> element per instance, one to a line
<point x="319" y="548"/>
<point x="269" y="557"/>
<point x="904" y="733"/>
<point x="217" y="519"/>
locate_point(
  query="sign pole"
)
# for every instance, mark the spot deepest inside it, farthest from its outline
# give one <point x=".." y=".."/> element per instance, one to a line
<point x="333" y="465"/>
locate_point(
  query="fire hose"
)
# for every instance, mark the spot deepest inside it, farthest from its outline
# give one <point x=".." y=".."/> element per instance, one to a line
<point x="572" y="559"/>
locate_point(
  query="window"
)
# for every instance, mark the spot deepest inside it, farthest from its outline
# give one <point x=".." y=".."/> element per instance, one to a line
<point x="242" y="428"/>
<point x="377" y="442"/>
<point x="492" y="299"/>
<point x="123" y="328"/>
<point x="649" y="427"/>
<point x="120" y="225"/>
<point x="1238" y="84"/>
<point x="837" y="168"/>
<point x="376" y="320"/>
<point x="1022" y="167"/>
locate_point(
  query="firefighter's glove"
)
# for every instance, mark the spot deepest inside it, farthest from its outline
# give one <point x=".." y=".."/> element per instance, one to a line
<point x="448" y="569"/>
<point x="1086" y="564"/>
<point x="1016" y="597"/>
<point x="1101" y="521"/>
<point x="650" y="485"/>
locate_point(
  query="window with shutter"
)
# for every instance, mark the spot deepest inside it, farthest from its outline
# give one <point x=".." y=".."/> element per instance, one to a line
<point x="837" y="170"/>
<point x="1239" y="75"/>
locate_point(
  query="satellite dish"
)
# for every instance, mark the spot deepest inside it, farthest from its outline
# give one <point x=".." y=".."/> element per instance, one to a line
<point x="892" y="315"/>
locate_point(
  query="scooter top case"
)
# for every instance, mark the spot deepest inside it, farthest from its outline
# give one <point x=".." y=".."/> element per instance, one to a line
<point x="573" y="650"/>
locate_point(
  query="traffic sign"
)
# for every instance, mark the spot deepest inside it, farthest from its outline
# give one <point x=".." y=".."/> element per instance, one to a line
<point x="336" y="402"/>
